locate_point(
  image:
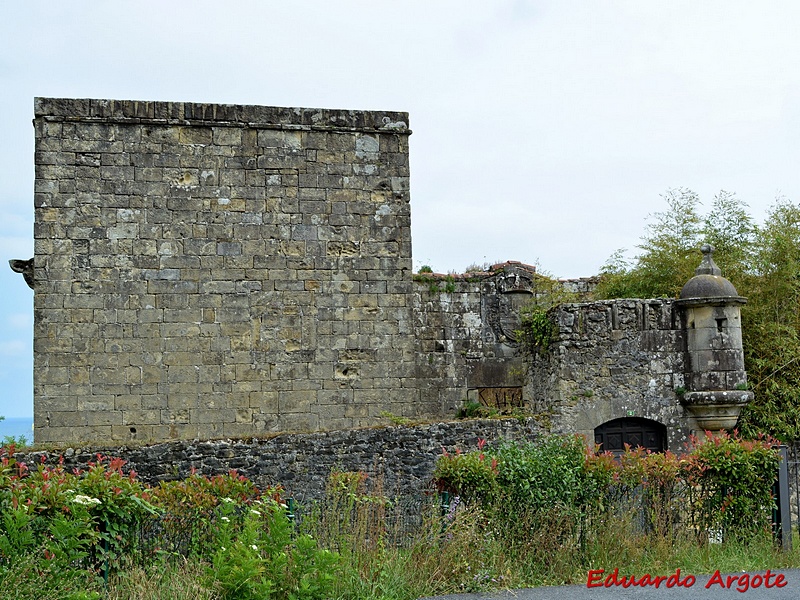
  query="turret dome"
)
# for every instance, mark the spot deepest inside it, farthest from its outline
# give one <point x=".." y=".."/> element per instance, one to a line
<point x="708" y="282"/>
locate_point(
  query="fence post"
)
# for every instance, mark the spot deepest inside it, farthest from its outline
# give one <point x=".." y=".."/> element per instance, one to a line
<point x="444" y="507"/>
<point x="444" y="502"/>
<point x="783" y="519"/>
<point x="105" y="562"/>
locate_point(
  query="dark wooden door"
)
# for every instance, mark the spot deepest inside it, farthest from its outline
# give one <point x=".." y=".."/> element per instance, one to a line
<point x="634" y="431"/>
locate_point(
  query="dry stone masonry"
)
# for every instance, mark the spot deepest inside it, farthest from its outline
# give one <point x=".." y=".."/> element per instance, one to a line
<point x="212" y="271"/>
<point x="398" y="459"/>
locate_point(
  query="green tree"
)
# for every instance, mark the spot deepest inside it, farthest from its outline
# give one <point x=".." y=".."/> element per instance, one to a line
<point x="763" y="263"/>
<point x="771" y="332"/>
<point x="670" y="253"/>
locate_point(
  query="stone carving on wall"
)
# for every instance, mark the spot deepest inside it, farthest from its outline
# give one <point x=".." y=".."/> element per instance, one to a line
<point x="515" y="277"/>
<point x="25" y="267"/>
<point x="514" y="285"/>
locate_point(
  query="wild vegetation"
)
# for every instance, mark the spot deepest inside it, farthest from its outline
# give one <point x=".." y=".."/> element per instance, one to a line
<point x="536" y="329"/>
<point x="763" y="263"/>
<point x="509" y="516"/>
<point x="18" y="440"/>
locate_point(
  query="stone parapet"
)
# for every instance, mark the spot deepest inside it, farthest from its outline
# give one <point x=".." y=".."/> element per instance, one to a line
<point x="133" y="111"/>
<point x="613" y="359"/>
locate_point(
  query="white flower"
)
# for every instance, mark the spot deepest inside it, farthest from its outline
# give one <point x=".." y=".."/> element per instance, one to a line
<point x="222" y="548"/>
<point x="86" y="500"/>
<point x="254" y="547"/>
<point x="226" y="519"/>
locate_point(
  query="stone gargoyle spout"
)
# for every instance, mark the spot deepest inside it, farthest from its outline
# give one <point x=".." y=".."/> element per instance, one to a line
<point x="25" y="267"/>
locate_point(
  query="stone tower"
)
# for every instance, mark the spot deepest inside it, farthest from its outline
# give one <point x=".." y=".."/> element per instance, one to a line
<point x="716" y="382"/>
<point x="206" y="270"/>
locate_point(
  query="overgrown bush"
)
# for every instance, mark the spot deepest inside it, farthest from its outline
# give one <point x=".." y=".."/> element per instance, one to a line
<point x="727" y="479"/>
<point x="733" y="479"/>
<point x="470" y="475"/>
<point x="524" y="514"/>
<point x="258" y="556"/>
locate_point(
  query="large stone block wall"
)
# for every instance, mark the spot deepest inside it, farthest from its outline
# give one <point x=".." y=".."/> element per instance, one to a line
<point x="466" y="328"/>
<point x="448" y="329"/>
<point x="614" y="359"/>
<point x="466" y="333"/>
<point x="215" y="270"/>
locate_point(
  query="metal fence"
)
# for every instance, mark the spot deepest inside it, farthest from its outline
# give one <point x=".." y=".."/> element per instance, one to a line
<point x="364" y="519"/>
<point x="793" y="468"/>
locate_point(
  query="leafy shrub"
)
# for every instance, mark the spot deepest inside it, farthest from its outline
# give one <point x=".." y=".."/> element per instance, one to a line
<point x="201" y="494"/>
<point x="534" y="475"/>
<point x="259" y="557"/>
<point x="733" y="478"/>
<point x="116" y="501"/>
<point x="729" y="480"/>
<point x="470" y="475"/>
<point x="537" y="329"/>
<point x="544" y="474"/>
<point x="473" y="410"/>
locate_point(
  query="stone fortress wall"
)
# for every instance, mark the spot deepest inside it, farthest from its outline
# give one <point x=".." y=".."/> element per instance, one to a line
<point x="614" y="359"/>
<point x="400" y="461"/>
<point x="217" y="271"/>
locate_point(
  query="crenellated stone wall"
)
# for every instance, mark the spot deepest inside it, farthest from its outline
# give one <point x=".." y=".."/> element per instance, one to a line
<point x="610" y="360"/>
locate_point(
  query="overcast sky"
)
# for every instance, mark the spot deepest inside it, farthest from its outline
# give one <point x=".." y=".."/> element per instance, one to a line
<point x="544" y="131"/>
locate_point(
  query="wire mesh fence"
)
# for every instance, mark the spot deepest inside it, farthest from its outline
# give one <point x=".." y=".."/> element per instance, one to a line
<point x="793" y="467"/>
<point x="351" y="516"/>
<point x="333" y="522"/>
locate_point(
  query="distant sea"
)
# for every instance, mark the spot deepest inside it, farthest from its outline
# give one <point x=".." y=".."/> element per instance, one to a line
<point x="17" y="426"/>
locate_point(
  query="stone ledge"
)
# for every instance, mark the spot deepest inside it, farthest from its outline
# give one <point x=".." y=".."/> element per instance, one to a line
<point x="230" y="115"/>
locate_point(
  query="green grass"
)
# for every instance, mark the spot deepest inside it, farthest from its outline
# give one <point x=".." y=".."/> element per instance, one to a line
<point x="371" y="545"/>
<point x="466" y="558"/>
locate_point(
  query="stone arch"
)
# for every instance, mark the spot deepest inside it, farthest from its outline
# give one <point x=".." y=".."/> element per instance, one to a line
<point x="634" y="431"/>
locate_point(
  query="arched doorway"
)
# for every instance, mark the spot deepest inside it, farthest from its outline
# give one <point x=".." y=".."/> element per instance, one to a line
<point x="634" y="431"/>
